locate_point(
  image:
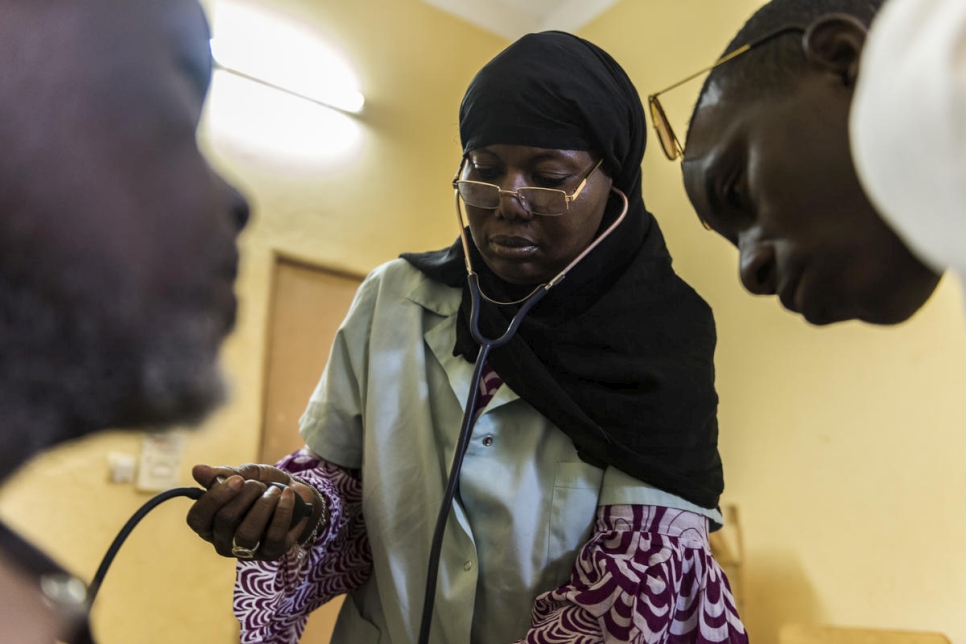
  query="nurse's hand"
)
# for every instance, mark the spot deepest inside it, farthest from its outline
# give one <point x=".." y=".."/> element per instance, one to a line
<point x="245" y="518"/>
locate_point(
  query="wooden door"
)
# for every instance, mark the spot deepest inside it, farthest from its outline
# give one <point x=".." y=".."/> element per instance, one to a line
<point x="308" y="304"/>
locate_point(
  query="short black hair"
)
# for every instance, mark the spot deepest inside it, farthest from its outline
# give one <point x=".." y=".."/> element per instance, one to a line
<point x="769" y="67"/>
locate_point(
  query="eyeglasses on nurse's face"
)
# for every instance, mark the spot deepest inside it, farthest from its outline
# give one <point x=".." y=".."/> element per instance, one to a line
<point x="546" y="202"/>
<point x="665" y="133"/>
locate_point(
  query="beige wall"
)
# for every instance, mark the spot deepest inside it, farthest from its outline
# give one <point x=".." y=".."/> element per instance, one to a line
<point x="841" y="446"/>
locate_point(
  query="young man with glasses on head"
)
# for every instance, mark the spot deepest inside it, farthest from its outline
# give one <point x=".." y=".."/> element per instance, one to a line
<point x="828" y="146"/>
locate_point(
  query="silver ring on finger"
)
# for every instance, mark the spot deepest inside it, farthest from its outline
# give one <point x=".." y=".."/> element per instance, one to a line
<point x="241" y="552"/>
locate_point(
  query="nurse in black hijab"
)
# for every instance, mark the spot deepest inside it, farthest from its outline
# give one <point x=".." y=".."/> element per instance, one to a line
<point x="591" y="478"/>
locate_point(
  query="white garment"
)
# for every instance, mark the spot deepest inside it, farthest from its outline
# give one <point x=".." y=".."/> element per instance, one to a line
<point x="390" y="401"/>
<point x="908" y="126"/>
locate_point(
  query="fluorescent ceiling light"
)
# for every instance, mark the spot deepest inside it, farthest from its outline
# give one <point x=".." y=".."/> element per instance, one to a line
<point x="249" y="117"/>
<point x="268" y="50"/>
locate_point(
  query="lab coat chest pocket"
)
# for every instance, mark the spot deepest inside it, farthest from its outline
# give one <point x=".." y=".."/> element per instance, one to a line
<point x="574" y="509"/>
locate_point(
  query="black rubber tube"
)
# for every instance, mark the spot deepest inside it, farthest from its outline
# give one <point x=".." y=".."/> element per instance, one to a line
<point x="95" y="585"/>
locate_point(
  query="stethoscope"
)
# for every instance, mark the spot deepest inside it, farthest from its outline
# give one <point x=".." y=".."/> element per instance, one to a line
<point x="469" y="415"/>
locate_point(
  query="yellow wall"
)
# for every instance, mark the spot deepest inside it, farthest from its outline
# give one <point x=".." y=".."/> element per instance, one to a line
<point x="841" y="445"/>
<point x="414" y="63"/>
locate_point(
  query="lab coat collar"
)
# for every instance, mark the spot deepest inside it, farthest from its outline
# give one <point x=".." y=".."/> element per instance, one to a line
<point x="445" y="301"/>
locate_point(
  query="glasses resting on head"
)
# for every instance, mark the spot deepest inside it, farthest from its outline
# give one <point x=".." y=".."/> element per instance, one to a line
<point x="546" y="202"/>
<point x="665" y="133"/>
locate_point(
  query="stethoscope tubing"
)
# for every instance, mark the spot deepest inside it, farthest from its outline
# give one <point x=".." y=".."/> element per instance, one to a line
<point x="469" y="415"/>
<point x="466" y="432"/>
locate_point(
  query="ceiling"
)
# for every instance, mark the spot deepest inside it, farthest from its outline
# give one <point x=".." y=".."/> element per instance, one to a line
<point x="514" y="18"/>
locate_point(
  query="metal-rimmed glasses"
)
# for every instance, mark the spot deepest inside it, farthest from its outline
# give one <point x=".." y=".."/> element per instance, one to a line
<point x="546" y="202"/>
<point x="665" y="133"/>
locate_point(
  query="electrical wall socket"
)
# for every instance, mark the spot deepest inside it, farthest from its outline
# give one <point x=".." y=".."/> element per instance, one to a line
<point x="160" y="464"/>
<point x="121" y="467"/>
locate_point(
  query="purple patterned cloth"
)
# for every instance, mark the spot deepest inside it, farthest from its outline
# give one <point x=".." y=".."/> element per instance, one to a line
<point x="646" y="576"/>
<point x="490" y="383"/>
<point x="273" y="599"/>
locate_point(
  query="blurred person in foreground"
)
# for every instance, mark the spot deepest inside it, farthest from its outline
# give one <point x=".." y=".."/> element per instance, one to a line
<point x="117" y="250"/>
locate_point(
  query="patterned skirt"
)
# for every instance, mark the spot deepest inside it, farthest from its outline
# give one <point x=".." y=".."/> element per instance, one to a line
<point x="647" y="577"/>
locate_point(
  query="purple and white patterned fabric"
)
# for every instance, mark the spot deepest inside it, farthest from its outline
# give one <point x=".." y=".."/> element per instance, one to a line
<point x="273" y="599"/>
<point x="490" y="383"/>
<point x="646" y="577"/>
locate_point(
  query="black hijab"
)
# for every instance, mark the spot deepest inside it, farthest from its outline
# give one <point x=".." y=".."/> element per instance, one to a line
<point x="620" y="355"/>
